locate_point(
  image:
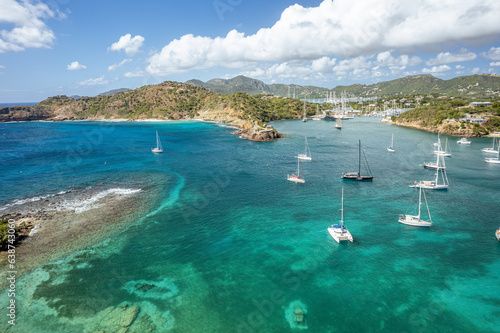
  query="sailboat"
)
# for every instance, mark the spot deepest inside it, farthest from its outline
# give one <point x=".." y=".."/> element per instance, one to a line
<point x="338" y="124"/>
<point x="434" y="184"/>
<point x="492" y="149"/>
<point x="391" y="147"/>
<point x="414" y="220"/>
<point x="317" y="116"/>
<point x="495" y="160"/>
<point x="357" y="175"/>
<point x="497" y="234"/>
<point x="304" y="119"/>
<point x="307" y="154"/>
<point x="338" y="231"/>
<point x="294" y="178"/>
<point x="444" y="152"/>
<point x="159" y="148"/>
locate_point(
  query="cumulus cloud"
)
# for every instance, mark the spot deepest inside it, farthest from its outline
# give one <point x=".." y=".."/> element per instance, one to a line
<point x="28" y="29"/>
<point x="387" y="60"/>
<point x="128" y="44"/>
<point x="118" y="65"/>
<point x="495" y="64"/>
<point x="436" y="69"/>
<point x="335" y="29"/>
<point x="447" y="57"/>
<point x="94" y="82"/>
<point x="493" y="53"/>
<point x="75" y="66"/>
<point x="136" y="73"/>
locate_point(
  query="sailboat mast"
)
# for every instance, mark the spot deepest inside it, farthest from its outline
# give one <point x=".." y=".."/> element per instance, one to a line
<point x="419" y="202"/>
<point x="342" y="209"/>
<point x="359" y="158"/>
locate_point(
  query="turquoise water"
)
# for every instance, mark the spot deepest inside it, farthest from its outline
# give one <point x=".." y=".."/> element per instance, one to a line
<point x="234" y="247"/>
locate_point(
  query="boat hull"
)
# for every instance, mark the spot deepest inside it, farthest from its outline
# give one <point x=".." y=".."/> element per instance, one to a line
<point x="295" y="179"/>
<point x="390" y="149"/>
<point x="156" y="150"/>
<point x="304" y="157"/>
<point x="492" y="160"/>
<point x="430" y="186"/>
<point x="355" y="176"/>
<point x="489" y="151"/>
<point x="413" y="221"/>
<point x="431" y="165"/>
<point x="497" y="234"/>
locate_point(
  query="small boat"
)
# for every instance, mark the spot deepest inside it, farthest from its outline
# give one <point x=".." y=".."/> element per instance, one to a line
<point x="415" y="220"/>
<point x="294" y="178"/>
<point x="444" y="152"/>
<point x="159" y="148"/>
<point x="307" y="154"/>
<point x="357" y="175"/>
<point x="463" y="141"/>
<point x="497" y="234"/>
<point x="391" y="147"/>
<point x="492" y="149"/>
<point x="440" y="170"/>
<point x="494" y="160"/>
<point x="338" y="231"/>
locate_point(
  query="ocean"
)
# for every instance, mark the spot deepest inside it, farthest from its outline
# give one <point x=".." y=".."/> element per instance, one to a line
<point x="228" y="245"/>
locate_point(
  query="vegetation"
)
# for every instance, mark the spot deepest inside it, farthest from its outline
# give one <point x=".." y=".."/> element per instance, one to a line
<point x="4" y="228"/>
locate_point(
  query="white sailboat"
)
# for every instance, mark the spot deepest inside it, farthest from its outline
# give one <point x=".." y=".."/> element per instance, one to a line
<point x="463" y="141"/>
<point x="415" y="220"/>
<point x="492" y="149"/>
<point x="159" y="148"/>
<point x="434" y="184"/>
<point x="494" y="160"/>
<point x="391" y="147"/>
<point x="338" y="124"/>
<point x="307" y="153"/>
<point x="338" y="231"/>
<point x="294" y="178"/>
<point x="304" y="119"/>
<point x="444" y="152"/>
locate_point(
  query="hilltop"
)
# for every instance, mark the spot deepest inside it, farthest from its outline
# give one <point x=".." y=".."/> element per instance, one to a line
<point x="169" y="100"/>
<point x="465" y="86"/>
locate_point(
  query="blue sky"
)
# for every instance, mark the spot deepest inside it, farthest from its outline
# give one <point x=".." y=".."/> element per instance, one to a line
<point x="76" y="47"/>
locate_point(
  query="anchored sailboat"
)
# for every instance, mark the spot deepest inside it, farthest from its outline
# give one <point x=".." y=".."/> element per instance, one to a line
<point x="444" y="152"/>
<point x="294" y="178"/>
<point x="434" y="184"/>
<point x="492" y="149"/>
<point x="338" y="231"/>
<point x="307" y="154"/>
<point x="357" y="175"/>
<point x="495" y="160"/>
<point x="414" y="220"/>
<point x="159" y="148"/>
<point x="391" y="147"/>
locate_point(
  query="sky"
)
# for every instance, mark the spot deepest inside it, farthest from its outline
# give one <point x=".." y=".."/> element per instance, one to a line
<point x="76" y="47"/>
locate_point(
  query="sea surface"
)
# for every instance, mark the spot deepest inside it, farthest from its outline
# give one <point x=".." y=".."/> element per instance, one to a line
<point x="234" y="247"/>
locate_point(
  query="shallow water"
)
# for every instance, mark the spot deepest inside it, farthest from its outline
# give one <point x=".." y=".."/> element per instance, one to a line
<point x="234" y="247"/>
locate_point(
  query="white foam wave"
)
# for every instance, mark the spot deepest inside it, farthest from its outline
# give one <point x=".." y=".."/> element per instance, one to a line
<point x="19" y="202"/>
<point x="79" y="206"/>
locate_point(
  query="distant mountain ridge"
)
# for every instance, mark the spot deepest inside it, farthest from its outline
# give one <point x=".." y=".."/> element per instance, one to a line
<point x="479" y="85"/>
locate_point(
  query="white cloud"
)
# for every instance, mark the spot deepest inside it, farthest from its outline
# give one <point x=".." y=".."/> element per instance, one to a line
<point x="436" y="69"/>
<point x="493" y="53"/>
<point x="128" y="44"/>
<point x="447" y="57"/>
<point x="118" y="65"/>
<point x="29" y="29"/>
<point x="495" y="64"/>
<point x="323" y="65"/>
<point x="475" y="70"/>
<point x="336" y="28"/>
<point x="136" y="73"/>
<point x="459" y="67"/>
<point x="94" y="82"/>
<point x="75" y="66"/>
<point x="385" y="59"/>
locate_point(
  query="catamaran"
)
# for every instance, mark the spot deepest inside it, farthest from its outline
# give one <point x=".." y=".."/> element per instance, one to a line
<point x="463" y="141"/>
<point x="414" y="220"/>
<point x="492" y="149"/>
<point x="159" y="148"/>
<point x="391" y="147"/>
<point x="434" y="184"/>
<point x="294" y="178"/>
<point x="338" y="231"/>
<point x="357" y="175"/>
<point x="307" y="154"/>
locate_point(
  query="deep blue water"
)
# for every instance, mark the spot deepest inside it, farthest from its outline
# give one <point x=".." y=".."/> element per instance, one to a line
<point x="238" y="248"/>
<point x="3" y="105"/>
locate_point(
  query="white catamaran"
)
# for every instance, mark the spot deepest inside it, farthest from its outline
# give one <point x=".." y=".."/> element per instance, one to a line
<point x="338" y="231"/>
<point x="415" y="220"/>
<point x="294" y="178"/>
<point x="159" y="148"/>
<point x="307" y="153"/>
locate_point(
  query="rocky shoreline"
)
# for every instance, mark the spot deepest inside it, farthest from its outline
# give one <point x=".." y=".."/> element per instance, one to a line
<point x="447" y="128"/>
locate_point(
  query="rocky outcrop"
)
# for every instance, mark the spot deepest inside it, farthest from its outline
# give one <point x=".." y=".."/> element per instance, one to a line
<point x="24" y="113"/>
<point x="452" y="128"/>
